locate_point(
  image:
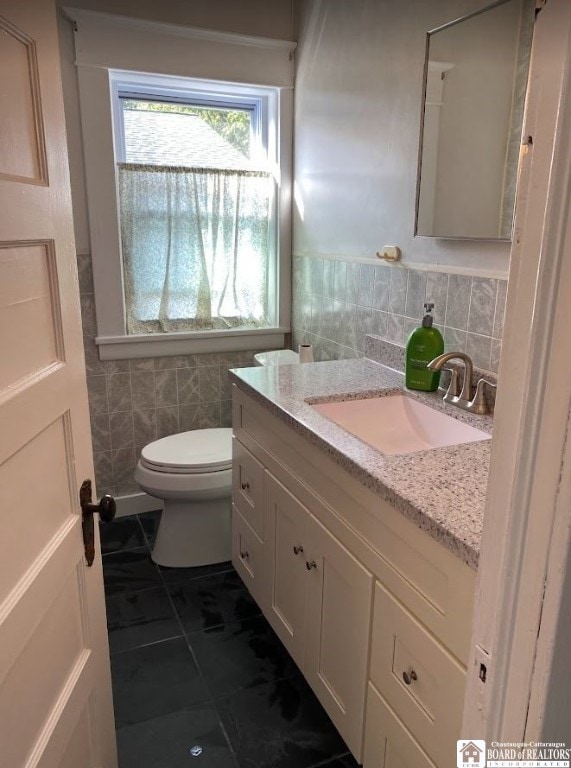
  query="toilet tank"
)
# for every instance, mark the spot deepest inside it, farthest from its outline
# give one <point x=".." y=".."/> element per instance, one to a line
<point x="277" y="357"/>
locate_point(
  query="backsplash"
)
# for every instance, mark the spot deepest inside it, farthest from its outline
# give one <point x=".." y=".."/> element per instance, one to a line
<point x="133" y="402"/>
<point x="336" y="303"/>
<point x="393" y="356"/>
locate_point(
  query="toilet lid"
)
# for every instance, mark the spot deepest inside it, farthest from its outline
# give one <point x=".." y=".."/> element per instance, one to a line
<point x="202" y="450"/>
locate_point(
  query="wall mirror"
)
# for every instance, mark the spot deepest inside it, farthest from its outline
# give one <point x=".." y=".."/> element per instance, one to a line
<point x="474" y="90"/>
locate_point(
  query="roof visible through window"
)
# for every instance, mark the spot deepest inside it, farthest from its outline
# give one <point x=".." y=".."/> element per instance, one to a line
<point x="157" y="133"/>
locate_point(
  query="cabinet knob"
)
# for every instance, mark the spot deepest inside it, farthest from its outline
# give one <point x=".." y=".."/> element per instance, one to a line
<point x="297" y="550"/>
<point x="408" y="677"/>
<point x="245" y="555"/>
<point x="245" y="486"/>
<point x="309" y="564"/>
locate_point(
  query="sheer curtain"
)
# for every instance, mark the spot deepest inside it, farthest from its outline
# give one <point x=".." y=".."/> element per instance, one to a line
<point x="195" y="247"/>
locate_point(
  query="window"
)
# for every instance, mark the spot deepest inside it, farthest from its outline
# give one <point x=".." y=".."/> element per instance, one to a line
<point x="153" y="299"/>
<point x="197" y="205"/>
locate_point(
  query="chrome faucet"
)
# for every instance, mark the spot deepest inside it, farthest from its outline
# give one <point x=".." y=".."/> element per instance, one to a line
<point x="476" y="404"/>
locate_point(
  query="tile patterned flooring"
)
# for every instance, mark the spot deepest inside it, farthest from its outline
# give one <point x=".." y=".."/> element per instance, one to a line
<point x="195" y="664"/>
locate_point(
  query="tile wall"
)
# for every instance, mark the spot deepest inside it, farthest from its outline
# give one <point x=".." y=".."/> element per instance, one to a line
<point x="133" y="402"/>
<point x="336" y="303"/>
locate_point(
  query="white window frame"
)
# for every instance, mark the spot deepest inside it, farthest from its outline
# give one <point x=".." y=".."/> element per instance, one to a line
<point x="262" y="102"/>
<point x="161" y="57"/>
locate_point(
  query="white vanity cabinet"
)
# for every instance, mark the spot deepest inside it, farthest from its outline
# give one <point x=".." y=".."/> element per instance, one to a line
<point x="375" y="612"/>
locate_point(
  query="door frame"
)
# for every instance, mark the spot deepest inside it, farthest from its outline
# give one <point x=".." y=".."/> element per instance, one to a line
<point x="526" y="539"/>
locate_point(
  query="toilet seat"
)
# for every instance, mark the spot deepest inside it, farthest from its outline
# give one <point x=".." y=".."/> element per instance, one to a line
<point x="200" y="451"/>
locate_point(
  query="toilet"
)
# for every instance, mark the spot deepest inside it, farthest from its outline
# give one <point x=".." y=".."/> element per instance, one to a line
<point x="192" y="473"/>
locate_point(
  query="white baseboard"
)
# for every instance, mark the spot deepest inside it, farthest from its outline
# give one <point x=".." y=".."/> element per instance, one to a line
<point x="136" y="503"/>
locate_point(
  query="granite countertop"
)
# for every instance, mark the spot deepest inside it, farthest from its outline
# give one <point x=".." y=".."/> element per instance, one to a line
<point x="441" y="490"/>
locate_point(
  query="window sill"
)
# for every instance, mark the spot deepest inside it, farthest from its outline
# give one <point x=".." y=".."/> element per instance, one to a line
<point x="166" y="344"/>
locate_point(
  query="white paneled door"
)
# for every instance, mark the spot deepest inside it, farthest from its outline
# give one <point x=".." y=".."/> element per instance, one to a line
<point x="55" y="693"/>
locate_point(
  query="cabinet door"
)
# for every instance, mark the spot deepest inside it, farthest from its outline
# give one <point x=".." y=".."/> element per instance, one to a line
<point x="337" y="639"/>
<point x="285" y="572"/>
<point x="388" y="744"/>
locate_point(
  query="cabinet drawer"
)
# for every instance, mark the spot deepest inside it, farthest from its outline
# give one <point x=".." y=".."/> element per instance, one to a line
<point x="247" y="555"/>
<point x="418" y="677"/>
<point x="388" y="744"/>
<point x="248" y="486"/>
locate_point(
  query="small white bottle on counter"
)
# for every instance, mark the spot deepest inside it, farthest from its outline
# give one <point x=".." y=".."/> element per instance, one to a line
<point x="305" y="353"/>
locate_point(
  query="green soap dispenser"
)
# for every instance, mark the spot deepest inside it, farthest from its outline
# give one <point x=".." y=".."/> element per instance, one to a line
<point x="423" y="345"/>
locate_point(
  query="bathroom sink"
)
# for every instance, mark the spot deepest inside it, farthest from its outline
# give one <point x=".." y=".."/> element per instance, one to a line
<point x="397" y="424"/>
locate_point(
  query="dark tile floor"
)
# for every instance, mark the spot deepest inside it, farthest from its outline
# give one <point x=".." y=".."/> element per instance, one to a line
<point x="199" y="677"/>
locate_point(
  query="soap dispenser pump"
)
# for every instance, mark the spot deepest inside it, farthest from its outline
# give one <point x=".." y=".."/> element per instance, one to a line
<point x="423" y="345"/>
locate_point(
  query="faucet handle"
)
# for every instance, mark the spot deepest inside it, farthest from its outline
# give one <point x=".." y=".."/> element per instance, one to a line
<point x="479" y="403"/>
<point x="454" y="385"/>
